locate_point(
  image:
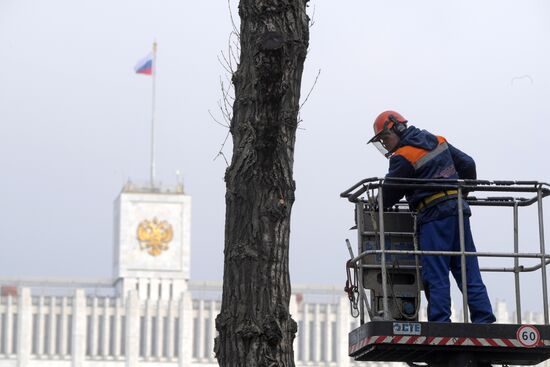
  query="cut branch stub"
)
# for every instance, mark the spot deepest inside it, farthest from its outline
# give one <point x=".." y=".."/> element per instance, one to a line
<point x="271" y="41"/>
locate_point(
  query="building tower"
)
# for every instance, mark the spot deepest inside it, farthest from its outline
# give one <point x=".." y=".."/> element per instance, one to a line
<point x="152" y="235"/>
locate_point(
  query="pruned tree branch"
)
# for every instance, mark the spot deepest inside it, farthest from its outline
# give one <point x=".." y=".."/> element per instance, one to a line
<point x="229" y="61"/>
<point x="220" y="153"/>
<point x="311" y="89"/>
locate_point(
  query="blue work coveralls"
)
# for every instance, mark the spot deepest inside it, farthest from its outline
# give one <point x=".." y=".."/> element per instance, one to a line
<point x="424" y="155"/>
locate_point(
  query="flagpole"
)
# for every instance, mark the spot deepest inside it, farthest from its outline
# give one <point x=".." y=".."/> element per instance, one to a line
<point x="153" y="116"/>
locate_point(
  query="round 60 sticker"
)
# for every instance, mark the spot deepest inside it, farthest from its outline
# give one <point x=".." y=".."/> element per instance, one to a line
<point x="528" y="336"/>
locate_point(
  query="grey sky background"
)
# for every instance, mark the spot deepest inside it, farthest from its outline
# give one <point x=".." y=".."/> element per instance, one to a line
<point x="75" y="120"/>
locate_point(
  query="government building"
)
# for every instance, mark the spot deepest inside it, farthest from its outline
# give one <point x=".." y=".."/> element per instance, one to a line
<point x="151" y="313"/>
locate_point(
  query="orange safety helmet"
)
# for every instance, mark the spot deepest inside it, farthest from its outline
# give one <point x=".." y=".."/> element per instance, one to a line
<point x="385" y="122"/>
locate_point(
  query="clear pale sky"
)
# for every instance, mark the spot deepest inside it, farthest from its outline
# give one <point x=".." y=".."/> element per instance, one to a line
<point x="75" y="120"/>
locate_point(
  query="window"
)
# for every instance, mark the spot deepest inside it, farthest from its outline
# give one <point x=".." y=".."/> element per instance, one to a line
<point x="165" y="337"/>
<point x="69" y="334"/>
<point x="47" y="327"/>
<point x="142" y="336"/>
<point x="301" y="356"/>
<point x="100" y="336"/>
<point x="89" y="334"/>
<point x="34" y="346"/>
<point x="207" y="339"/>
<point x="196" y="340"/>
<point x="112" y="335"/>
<point x="323" y="339"/>
<point x="2" y="333"/>
<point x="14" y="335"/>
<point x="312" y="341"/>
<point x="334" y="342"/>
<point x="122" y="335"/>
<point x="176" y="337"/>
<point x="58" y="331"/>
<point x="154" y="331"/>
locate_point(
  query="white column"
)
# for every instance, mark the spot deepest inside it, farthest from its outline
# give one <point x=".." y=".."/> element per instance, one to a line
<point x="1" y="328"/>
<point x="423" y="315"/>
<point x="212" y="326"/>
<point x="160" y="328"/>
<point x="304" y="333"/>
<point x="317" y="333"/>
<point x="116" y="329"/>
<point x="456" y="316"/>
<point x="132" y="329"/>
<point x="124" y="285"/>
<point x="186" y="330"/>
<point x="8" y="343"/>
<point x="502" y="315"/>
<point x="94" y="328"/>
<point x="328" y="333"/>
<point x="2" y="325"/>
<point x="142" y="285"/>
<point x="52" y="332"/>
<point x="342" y="324"/>
<point x="39" y="337"/>
<point x="293" y="311"/>
<point x="170" y="331"/>
<point x="148" y="332"/>
<point x="200" y="331"/>
<point x="178" y="287"/>
<point x="155" y="289"/>
<point x="106" y="327"/>
<point x="24" y="327"/>
<point x="63" y="328"/>
<point x="164" y="290"/>
<point x="79" y="329"/>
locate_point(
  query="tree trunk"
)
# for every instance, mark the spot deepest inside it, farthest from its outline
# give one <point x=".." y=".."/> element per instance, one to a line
<point x="254" y="325"/>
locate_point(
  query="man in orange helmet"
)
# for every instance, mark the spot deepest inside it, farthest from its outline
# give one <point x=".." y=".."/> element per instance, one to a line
<point x="415" y="153"/>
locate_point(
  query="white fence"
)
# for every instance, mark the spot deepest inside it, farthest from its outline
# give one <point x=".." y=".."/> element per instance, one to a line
<point x="84" y="329"/>
<point x="97" y="331"/>
<point x="323" y="318"/>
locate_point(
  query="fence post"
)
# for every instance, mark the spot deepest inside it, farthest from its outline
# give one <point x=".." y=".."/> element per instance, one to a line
<point x="132" y="332"/>
<point x="24" y="327"/>
<point x="79" y="328"/>
<point x="186" y="330"/>
<point x="342" y="325"/>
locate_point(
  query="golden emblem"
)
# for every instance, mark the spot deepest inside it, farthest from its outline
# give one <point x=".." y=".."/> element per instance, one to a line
<point x="154" y="236"/>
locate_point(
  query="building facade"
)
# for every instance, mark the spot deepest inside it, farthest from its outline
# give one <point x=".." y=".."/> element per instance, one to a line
<point x="151" y="313"/>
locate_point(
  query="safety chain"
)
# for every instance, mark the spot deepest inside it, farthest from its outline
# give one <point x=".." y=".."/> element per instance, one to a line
<point x="351" y="289"/>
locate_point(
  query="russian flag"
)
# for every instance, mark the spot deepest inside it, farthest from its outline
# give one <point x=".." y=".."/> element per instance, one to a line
<point x="145" y="65"/>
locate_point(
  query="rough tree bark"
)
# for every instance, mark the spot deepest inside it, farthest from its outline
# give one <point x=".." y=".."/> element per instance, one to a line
<point x="254" y="325"/>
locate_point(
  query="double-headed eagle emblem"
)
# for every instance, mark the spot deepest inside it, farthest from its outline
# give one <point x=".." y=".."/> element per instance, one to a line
<point x="154" y="236"/>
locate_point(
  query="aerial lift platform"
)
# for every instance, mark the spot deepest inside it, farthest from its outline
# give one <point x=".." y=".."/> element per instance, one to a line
<point x="384" y="283"/>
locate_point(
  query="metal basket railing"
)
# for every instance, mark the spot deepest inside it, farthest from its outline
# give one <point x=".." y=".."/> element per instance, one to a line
<point x="538" y="191"/>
